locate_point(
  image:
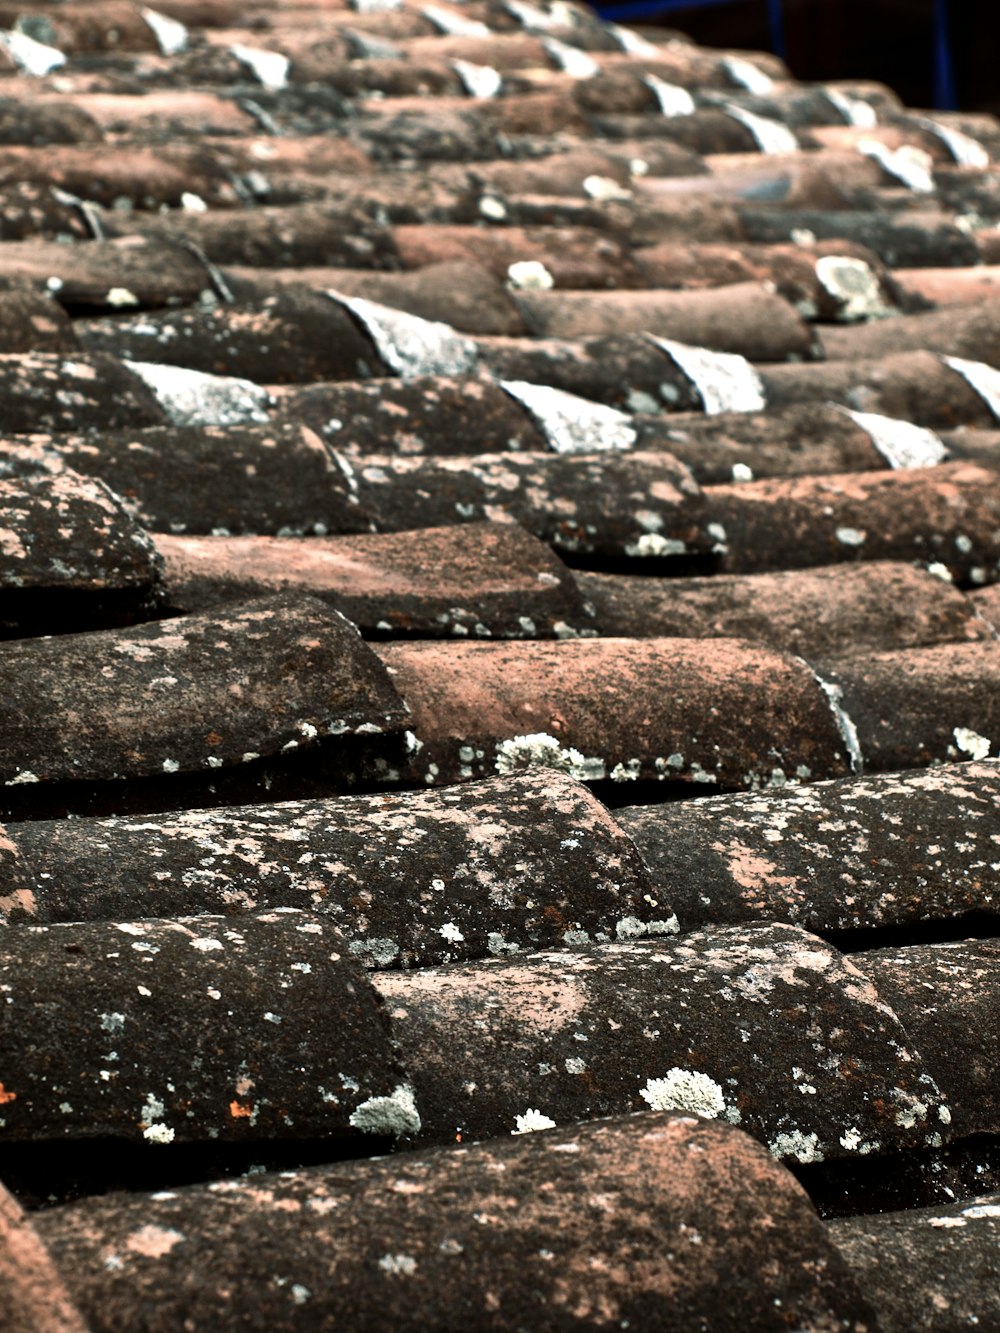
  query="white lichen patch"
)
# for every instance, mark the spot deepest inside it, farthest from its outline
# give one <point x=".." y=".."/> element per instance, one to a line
<point x="540" y="750"/>
<point x="908" y="164"/>
<point x="604" y="189"/>
<point x="450" y="932"/>
<point x="672" y="99"/>
<point x="408" y="344"/>
<point x="121" y="296"/>
<point x="171" y="35"/>
<point x="395" y="1115"/>
<point x="901" y="443"/>
<point x="398" y="1265"/>
<point x="529" y="275"/>
<point x="570" y="424"/>
<point x="531" y="1121"/>
<point x="269" y="68"/>
<point x="793" y="1143"/>
<point x="771" y="136"/>
<point x="194" y="398"/>
<point x="971" y="743"/>
<point x="747" y="75"/>
<point x="32" y="57"/>
<point x="851" y="536"/>
<point x="654" y="545"/>
<point x="854" y="284"/>
<point x="685" y="1090"/>
<point x="725" y="381"/>
<point x="158" y="1133"/>
<point x="478" y="80"/>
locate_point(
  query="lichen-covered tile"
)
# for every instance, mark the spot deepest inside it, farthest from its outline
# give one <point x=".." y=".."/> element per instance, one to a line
<point x="718" y="711"/>
<point x="489" y="579"/>
<point x="496" y="867"/>
<point x="71" y="556"/>
<point x="765" y="1026"/>
<point x="845" y="855"/>
<point x="662" y="1220"/>
<point x="190" y="1029"/>
<point x="635" y="505"/>
<point x="424" y="414"/>
<point x="198" y="694"/>
<point x="947" y="997"/>
<point x="42" y="391"/>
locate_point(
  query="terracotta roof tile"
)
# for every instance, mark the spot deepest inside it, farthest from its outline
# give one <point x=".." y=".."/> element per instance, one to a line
<point x="732" y="713"/>
<point x="489" y="579"/>
<point x="830" y="611"/>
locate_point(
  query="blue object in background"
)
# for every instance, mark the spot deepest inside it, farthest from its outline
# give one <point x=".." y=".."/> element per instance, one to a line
<point x="628" y="10"/>
<point x="945" y="96"/>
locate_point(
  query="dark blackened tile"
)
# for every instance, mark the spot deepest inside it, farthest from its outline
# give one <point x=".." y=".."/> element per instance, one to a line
<point x="847" y="855"/>
<point x="71" y="557"/>
<point x="577" y="1232"/>
<point x="946" y="995"/>
<point x="194" y="694"/>
<point x="37" y="124"/>
<point x="32" y="322"/>
<point x="163" y="1031"/>
<point x="932" y="1268"/>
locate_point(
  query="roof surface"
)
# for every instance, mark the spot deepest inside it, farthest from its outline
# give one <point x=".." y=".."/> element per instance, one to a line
<point x="499" y="679"/>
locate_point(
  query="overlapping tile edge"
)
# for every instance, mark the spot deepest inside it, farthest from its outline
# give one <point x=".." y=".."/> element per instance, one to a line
<point x="326" y="334"/>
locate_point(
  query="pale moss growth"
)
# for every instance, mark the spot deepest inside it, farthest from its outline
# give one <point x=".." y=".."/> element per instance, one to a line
<point x="685" y="1090"/>
<point x="396" y="1114"/>
<point x="531" y="1121"/>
